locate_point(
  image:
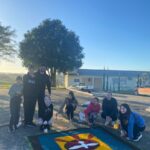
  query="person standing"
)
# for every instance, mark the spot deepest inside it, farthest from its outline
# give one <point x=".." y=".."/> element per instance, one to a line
<point x="109" y="109"/>
<point x="29" y="94"/>
<point x="15" y="93"/>
<point x="42" y="81"/>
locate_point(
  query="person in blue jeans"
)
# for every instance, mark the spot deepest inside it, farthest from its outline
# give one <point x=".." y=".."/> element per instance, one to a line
<point x="132" y="123"/>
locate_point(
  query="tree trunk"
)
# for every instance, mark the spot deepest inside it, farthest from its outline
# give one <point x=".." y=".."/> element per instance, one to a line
<point x="53" y="76"/>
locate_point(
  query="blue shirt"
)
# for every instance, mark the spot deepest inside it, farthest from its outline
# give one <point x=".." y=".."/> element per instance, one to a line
<point x="134" y="119"/>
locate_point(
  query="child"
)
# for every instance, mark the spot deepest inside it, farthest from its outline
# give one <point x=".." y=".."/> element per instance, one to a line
<point x="109" y="109"/>
<point x="70" y="105"/>
<point x="15" y="93"/>
<point x="92" y="111"/>
<point x="47" y="116"/>
<point x="132" y="124"/>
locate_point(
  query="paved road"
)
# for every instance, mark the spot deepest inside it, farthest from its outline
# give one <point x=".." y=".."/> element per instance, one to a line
<point x="17" y="140"/>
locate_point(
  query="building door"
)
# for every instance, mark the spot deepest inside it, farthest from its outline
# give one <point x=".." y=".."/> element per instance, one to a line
<point x="98" y="84"/>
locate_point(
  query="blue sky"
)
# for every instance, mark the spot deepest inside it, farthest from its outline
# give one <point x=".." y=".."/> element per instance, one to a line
<point x="114" y="33"/>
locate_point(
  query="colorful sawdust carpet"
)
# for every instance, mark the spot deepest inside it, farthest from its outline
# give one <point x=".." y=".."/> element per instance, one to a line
<point x="78" y="139"/>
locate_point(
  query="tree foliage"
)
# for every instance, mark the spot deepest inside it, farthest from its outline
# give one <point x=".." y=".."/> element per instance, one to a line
<point x="53" y="45"/>
<point x="7" y="44"/>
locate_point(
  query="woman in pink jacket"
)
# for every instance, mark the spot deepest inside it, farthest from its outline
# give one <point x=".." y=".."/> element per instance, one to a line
<point x="92" y="110"/>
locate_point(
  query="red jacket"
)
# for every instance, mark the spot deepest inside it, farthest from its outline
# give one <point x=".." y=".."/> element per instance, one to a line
<point x="92" y="108"/>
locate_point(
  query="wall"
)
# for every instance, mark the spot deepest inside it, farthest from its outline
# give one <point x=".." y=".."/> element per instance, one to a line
<point x="126" y="83"/>
<point x="94" y="81"/>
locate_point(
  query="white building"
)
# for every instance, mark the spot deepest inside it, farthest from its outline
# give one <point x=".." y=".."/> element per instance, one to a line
<point x="115" y="80"/>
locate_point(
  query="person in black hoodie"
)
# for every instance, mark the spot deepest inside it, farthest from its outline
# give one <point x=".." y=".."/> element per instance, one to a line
<point x="109" y="109"/>
<point x="29" y="94"/>
<point x="46" y="120"/>
<point x="42" y="81"/>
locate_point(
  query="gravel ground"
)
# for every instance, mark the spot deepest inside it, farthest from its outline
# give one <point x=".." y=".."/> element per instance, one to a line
<point x="17" y="140"/>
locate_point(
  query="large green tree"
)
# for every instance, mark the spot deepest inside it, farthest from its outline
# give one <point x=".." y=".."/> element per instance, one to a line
<point x="53" y="45"/>
<point x="7" y="44"/>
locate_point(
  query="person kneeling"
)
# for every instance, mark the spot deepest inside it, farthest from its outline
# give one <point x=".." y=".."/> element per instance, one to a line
<point x="92" y="111"/>
<point x="109" y="109"/>
<point x="46" y="120"/>
<point x="70" y="104"/>
<point x="132" y="123"/>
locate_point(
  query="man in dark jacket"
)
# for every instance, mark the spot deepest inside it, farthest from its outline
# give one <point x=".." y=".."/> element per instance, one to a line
<point x="42" y="81"/>
<point x="109" y="109"/>
<point x="29" y="93"/>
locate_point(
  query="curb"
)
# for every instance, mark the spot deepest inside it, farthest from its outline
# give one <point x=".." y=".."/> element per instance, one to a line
<point x="87" y="94"/>
<point x="81" y="92"/>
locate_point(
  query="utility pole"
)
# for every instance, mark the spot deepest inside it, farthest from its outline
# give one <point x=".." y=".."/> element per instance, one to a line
<point x="138" y="81"/>
<point x="104" y="76"/>
<point x="107" y="80"/>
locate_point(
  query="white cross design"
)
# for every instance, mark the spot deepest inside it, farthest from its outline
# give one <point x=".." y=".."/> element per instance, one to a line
<point x="83" y="145"/>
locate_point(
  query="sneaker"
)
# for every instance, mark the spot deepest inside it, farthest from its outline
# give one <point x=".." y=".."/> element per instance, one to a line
<point x="107" y="123"/>
<point x="19" y="124"/>
<point x="138" y="138"/>
<point x="45" y="130"/>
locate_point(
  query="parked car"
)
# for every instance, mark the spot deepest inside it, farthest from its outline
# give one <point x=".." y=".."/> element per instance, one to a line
<point x="86" y="88"/>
